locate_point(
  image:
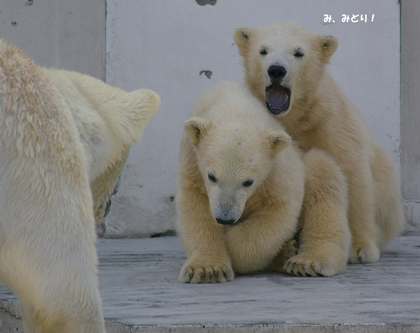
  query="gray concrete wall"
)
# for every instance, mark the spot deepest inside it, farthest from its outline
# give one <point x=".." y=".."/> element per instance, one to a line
<point x="56" y="33"/>
<point x="410" y="111"/>
<point x="164" y="45"/>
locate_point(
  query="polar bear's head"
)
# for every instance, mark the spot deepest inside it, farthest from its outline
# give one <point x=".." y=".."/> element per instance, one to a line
<point x="234" y="160"/>
<point x="283" y="62"/>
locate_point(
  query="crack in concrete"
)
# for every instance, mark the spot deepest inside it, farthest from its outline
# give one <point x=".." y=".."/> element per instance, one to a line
<point x="9" y="313"/>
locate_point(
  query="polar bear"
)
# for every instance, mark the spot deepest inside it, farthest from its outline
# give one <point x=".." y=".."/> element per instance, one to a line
<point x="241" y="189"/>
<point x="94" y="105"/>
<point x="59" y="132"/>
<point x="285" y="68"/>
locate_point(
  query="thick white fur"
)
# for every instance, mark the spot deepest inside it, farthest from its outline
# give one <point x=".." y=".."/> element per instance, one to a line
<point x="58" y="132"/>
<point x="230" y="135"/>
<point x="109" y="120"/>
<point x="321" y="116"/>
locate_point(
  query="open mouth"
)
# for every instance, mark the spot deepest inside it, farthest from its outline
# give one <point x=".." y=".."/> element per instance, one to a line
<point x="277" y="98"/>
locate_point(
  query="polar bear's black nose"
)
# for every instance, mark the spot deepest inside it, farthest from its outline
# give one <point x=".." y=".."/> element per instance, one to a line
<point x="276" y="73"/>
<point x="225" y="222"/>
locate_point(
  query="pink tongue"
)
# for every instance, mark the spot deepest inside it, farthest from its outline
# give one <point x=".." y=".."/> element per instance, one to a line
<point x="277" y="98"/>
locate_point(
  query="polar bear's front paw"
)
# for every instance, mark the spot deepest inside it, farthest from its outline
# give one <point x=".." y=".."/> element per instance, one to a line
<point x="302" y="265"/>
<point x="364" y="254"/>
<point x="202" y="273"/>
<point x="289" y="249"/>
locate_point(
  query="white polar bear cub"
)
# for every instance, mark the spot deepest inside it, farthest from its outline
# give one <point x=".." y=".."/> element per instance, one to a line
<point x="241" y="188"/>
<point x="285" y="68"/>
<point x="59" y="131"/>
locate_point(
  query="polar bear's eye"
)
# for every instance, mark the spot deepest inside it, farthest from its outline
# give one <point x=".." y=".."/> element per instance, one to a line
<point x="247" y="183"/>
<point x="212" y="177"/>
<point x="299" y="53"/>
<point x="263" y="51"/>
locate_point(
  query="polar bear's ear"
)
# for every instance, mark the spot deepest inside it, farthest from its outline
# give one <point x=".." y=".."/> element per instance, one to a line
<point x="196" y="128"/>
<point x="328" y="45"/>
<point x="278" y="140"/>
<point x="242" y="37"/>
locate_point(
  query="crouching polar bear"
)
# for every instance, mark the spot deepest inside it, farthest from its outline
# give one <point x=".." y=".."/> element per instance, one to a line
<point x="285" y="68"/>
<point x="59" y="132"/>
<point x="241" y="191"/>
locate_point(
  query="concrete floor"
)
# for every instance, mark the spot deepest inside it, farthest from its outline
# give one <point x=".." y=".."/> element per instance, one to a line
<point x="140" y="292"/>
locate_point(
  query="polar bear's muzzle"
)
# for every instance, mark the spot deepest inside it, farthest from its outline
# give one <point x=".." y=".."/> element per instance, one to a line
<point x="226" y="214"/>
<point x="277" y="97"/>
<point x="227" y="208"/>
